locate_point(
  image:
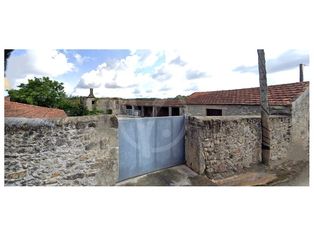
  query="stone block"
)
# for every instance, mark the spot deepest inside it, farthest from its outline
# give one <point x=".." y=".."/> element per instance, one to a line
<point x="16" y="175"/>
<point x="75" y="176"/>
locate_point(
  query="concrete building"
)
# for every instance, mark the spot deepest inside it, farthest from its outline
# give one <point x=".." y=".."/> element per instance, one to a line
<point x="153" y="107"/>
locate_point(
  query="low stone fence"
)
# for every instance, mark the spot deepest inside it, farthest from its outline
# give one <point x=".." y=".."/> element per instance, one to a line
<point x="70" y="151"/>
<point x="221" y="146"/>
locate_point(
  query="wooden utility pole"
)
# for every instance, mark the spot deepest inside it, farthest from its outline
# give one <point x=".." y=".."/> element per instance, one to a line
<point x="264" y="107"/>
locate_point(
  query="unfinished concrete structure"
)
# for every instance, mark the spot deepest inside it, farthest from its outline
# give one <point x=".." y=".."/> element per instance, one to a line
<point x="153" y="107"/>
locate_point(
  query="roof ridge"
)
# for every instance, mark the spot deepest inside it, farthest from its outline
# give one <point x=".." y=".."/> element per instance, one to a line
<point x="280" y="94"/>
<point x="275" y="85"/>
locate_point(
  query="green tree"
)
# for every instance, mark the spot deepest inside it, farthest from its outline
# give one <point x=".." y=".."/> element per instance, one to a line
<point x="40" y="92"/>
<point x="73" y="106"/>
<point x="180" y="97"/>
<point x="49" y="93"/>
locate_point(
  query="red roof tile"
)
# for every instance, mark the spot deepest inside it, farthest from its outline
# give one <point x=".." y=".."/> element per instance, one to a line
<point x="15" y="109"/>
<point x="283" y="94"/>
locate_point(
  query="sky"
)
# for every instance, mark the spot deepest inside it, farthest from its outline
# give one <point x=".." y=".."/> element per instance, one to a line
<point x="130" y="73"/>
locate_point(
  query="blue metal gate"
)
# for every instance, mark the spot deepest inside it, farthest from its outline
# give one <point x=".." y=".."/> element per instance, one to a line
<point x="150" y="144"/>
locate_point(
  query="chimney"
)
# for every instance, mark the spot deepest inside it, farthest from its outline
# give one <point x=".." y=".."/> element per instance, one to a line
<point x="91" y="93"/>
<point x="301" y="72"/>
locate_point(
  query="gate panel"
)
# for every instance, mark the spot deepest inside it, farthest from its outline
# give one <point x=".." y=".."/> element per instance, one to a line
<point x="150" y="144"/>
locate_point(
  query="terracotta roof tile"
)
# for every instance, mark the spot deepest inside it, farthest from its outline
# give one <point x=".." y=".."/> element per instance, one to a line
<point x="15" y="109"/>
<point x="283" y="94"/>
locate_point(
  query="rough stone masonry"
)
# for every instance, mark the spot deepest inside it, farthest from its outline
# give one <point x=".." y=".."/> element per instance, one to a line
<point x="72" y="151"/>
<point x="222" y="146"/>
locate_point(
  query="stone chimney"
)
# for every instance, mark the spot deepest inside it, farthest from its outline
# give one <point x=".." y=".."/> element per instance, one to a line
<point x="301" y="72"/>
<point x="91" y="93"/>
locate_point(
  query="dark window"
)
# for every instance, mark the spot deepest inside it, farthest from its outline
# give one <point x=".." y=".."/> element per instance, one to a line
<point x="109" y="111"/>
<point x="93" y="102"/>
<point x="175" y="111"/>
<point x="148" y="111"/>
<point x="162" y="111"/>
<point x="213" y="112"/>
<point x="128" y="107"/>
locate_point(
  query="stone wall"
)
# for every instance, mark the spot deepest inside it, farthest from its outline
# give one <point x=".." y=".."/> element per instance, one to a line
<point x="300" y="125"/>
<point x="232" y="110"/>
<point x="221" y="146"/>
<point x="89" y="103"/>
<point x="69" y="151"/>
<point x="109" y="104"/>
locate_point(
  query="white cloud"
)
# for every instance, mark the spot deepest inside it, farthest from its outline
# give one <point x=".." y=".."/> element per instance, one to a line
<point x="181" y="72"/>
<point x="37" y="63"/>
<point x="68" y="87"/>
<point x="120" y="78"/>
<point x="78" y="58"/>
<point x="286" y="61"/>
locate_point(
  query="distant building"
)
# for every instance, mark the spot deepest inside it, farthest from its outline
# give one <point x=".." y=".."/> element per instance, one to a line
<point x="90" y="100"/>
<point x="282" y="99"/>
<point x="153" y="107"/>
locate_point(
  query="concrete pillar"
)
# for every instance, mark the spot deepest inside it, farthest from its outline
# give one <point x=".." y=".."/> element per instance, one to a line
<point x="142" y="111"/>
<point x="132" y="110"/>
<point x="170" y="111"/>
<point x="154" y="111"/>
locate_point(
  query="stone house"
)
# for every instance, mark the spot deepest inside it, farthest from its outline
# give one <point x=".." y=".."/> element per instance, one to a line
<point x="108" y="105"/>
<point x="288" y="100"/>
<point x="90" y="100"/>
<point x="223" y="128"/>
<point x="282" y="99"/>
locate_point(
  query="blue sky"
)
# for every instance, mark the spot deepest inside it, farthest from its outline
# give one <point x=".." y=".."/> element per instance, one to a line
<point x="132" y="73"/>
